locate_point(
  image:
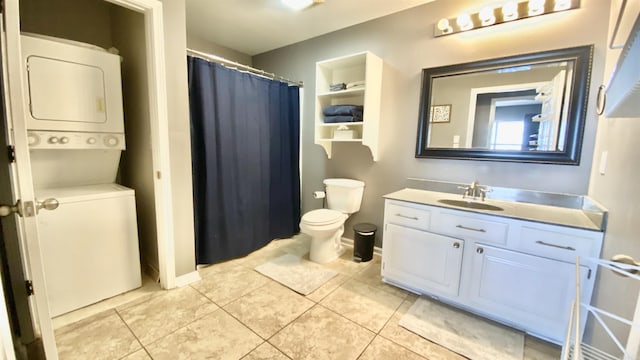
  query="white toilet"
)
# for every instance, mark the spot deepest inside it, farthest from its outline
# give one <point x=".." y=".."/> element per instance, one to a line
<point x="326" y="226"/>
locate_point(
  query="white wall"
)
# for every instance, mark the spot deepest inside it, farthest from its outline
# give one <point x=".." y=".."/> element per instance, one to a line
<point x="405" y="42"/>
<point x="179" y="134"/>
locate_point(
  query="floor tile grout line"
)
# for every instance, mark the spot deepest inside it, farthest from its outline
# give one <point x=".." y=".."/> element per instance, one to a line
<point x="258" y="335"/>
<point x="142" y="346"/>
<point x="174" y="331"/>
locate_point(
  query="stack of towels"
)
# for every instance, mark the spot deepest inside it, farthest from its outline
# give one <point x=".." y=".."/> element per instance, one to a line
<point x="337" y="86"/>
<point x="343" y="86"/>
<point x="342" y="113"/>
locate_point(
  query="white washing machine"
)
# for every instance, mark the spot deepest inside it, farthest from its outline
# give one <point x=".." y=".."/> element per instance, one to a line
<point x="89" y="245"/>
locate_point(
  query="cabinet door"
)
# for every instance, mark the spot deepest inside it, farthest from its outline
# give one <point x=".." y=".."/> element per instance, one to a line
<point x="525" y="289"/>
<point x="422" y="260"/>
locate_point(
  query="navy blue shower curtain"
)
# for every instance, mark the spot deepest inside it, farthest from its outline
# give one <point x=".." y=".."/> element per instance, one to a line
<point x="245" y="154"/>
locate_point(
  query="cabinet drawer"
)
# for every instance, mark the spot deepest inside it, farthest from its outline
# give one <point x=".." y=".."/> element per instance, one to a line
<point x="473" y="227"/>
<point x="408" y="216"/>
<point x="555" y="244"/>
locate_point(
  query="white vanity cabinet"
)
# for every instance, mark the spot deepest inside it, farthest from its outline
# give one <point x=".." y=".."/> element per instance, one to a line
<point x="517" y="272"/>
<point x="423" y="260"/>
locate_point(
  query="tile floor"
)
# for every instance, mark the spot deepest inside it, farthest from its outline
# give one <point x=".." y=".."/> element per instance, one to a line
<point x="236" y="313"/>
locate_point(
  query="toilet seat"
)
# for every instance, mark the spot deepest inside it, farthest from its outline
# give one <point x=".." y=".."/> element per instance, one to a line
<point x="321" y="217"/>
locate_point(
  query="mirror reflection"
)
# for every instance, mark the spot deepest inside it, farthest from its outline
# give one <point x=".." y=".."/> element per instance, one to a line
<point x="522" y="108"/>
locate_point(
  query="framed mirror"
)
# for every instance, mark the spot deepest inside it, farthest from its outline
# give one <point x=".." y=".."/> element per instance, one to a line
<point x="524" y="108"/>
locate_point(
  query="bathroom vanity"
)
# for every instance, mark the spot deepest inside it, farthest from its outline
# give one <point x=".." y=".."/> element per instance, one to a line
<point x="514" y="263"/>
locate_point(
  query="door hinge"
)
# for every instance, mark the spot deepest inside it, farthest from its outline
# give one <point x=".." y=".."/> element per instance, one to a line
<point x="589" y="274"/>
<point x="29" y="287"/>
<point x="11" y="153"/>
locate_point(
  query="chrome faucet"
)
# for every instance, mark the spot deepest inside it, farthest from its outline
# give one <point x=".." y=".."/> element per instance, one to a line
<point x="474" y="191"/>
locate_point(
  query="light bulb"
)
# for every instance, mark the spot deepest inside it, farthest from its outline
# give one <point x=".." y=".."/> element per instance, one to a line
<point x="297" y="4"/>
<point x="444" y="26"/>
<point x="464" y="21"/>
<point x="536" y="7"/>
<point x="562" y="5"/>
<point x="487" y="16"/>
<point x="510" y="11"/>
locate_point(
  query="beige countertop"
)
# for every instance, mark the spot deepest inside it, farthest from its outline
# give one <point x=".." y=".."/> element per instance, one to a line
<point x="555" y="215"/>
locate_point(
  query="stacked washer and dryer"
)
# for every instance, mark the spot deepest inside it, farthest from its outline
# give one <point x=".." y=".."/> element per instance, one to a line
<point x="75" y="128"/>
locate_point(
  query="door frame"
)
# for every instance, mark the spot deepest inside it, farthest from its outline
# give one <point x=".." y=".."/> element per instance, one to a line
<point x="16" y="108"/>
<point x="159" y="126"/>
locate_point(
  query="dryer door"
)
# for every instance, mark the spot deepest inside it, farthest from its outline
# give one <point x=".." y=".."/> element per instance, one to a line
<point x="61" y="90"/>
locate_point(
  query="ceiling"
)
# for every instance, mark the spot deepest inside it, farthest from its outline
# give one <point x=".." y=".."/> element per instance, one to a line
<point x="256" y="26"/>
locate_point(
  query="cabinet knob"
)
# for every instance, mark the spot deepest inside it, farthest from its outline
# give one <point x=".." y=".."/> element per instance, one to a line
<point x="479" y="250"/>
<point x="456" y="245"/>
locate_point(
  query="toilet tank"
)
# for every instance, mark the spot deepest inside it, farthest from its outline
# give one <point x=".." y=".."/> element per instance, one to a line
<point x="344" y="195"/>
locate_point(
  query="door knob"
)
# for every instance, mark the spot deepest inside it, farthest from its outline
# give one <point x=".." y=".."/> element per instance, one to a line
<point x="6" y="210"/>
<point x="47" y="204"/>
<point x="479" y="250"/>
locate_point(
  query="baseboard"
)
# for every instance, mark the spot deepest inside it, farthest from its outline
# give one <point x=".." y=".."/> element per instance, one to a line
<point x="188" y="278"/>
<point x="349" y="242"/>
<point x="150" y="270"/>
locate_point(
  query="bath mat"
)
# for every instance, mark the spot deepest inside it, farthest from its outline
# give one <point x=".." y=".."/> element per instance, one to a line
<point x="297" y="274"/>
<point x="463" y="333"/>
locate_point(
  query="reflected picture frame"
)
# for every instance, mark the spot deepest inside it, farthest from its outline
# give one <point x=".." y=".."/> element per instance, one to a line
<point x="440" y="113"/>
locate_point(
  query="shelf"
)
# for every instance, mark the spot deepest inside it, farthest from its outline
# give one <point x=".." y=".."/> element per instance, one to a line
<point x="359" y="123"/>
<point x="340" y="140"/>
<point x="363" y="66"/>
<point x="342" y="93"/>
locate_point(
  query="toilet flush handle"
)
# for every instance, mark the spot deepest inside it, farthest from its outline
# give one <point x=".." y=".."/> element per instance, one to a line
<point x="47" y="204"/>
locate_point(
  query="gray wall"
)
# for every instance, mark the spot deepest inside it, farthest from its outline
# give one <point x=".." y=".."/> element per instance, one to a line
<point x="405" y="42"/>
<point x="617" y="190"/>
<point x="199" y="44"/>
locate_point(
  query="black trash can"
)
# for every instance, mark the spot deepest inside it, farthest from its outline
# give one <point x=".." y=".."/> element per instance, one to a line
<point x="365" y="238"/>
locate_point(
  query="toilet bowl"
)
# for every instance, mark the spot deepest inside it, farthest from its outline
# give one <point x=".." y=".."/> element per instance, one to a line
<point x="325" y="227"/>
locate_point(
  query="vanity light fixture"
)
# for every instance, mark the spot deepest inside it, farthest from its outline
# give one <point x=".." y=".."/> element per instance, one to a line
<point x="300" y="4"/>
<point x="509" y="11"/>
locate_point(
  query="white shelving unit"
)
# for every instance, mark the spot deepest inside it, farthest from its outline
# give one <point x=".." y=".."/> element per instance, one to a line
<point x="574" y="348"/>
<point x="365" y="67"/>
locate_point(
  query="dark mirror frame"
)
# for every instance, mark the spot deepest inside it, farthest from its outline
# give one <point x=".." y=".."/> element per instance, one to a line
<point x="582" y="57"/>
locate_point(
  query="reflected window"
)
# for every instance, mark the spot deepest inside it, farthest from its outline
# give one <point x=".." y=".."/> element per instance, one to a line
<point x="507" y="135"/>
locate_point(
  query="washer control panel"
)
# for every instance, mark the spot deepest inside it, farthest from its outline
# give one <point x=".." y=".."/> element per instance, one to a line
<point x="74" y="140"/>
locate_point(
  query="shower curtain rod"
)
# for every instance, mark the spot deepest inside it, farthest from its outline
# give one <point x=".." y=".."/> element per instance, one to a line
<point x="224" y="61"/>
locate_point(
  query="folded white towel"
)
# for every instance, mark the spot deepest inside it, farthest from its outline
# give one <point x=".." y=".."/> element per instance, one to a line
<point x="355" y="84"/>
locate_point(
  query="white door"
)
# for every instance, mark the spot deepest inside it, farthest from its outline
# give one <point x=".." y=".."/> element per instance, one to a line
<point x="525" y="289"/>
<point x="17" y="180"/>
<point x="422" y="260"/>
